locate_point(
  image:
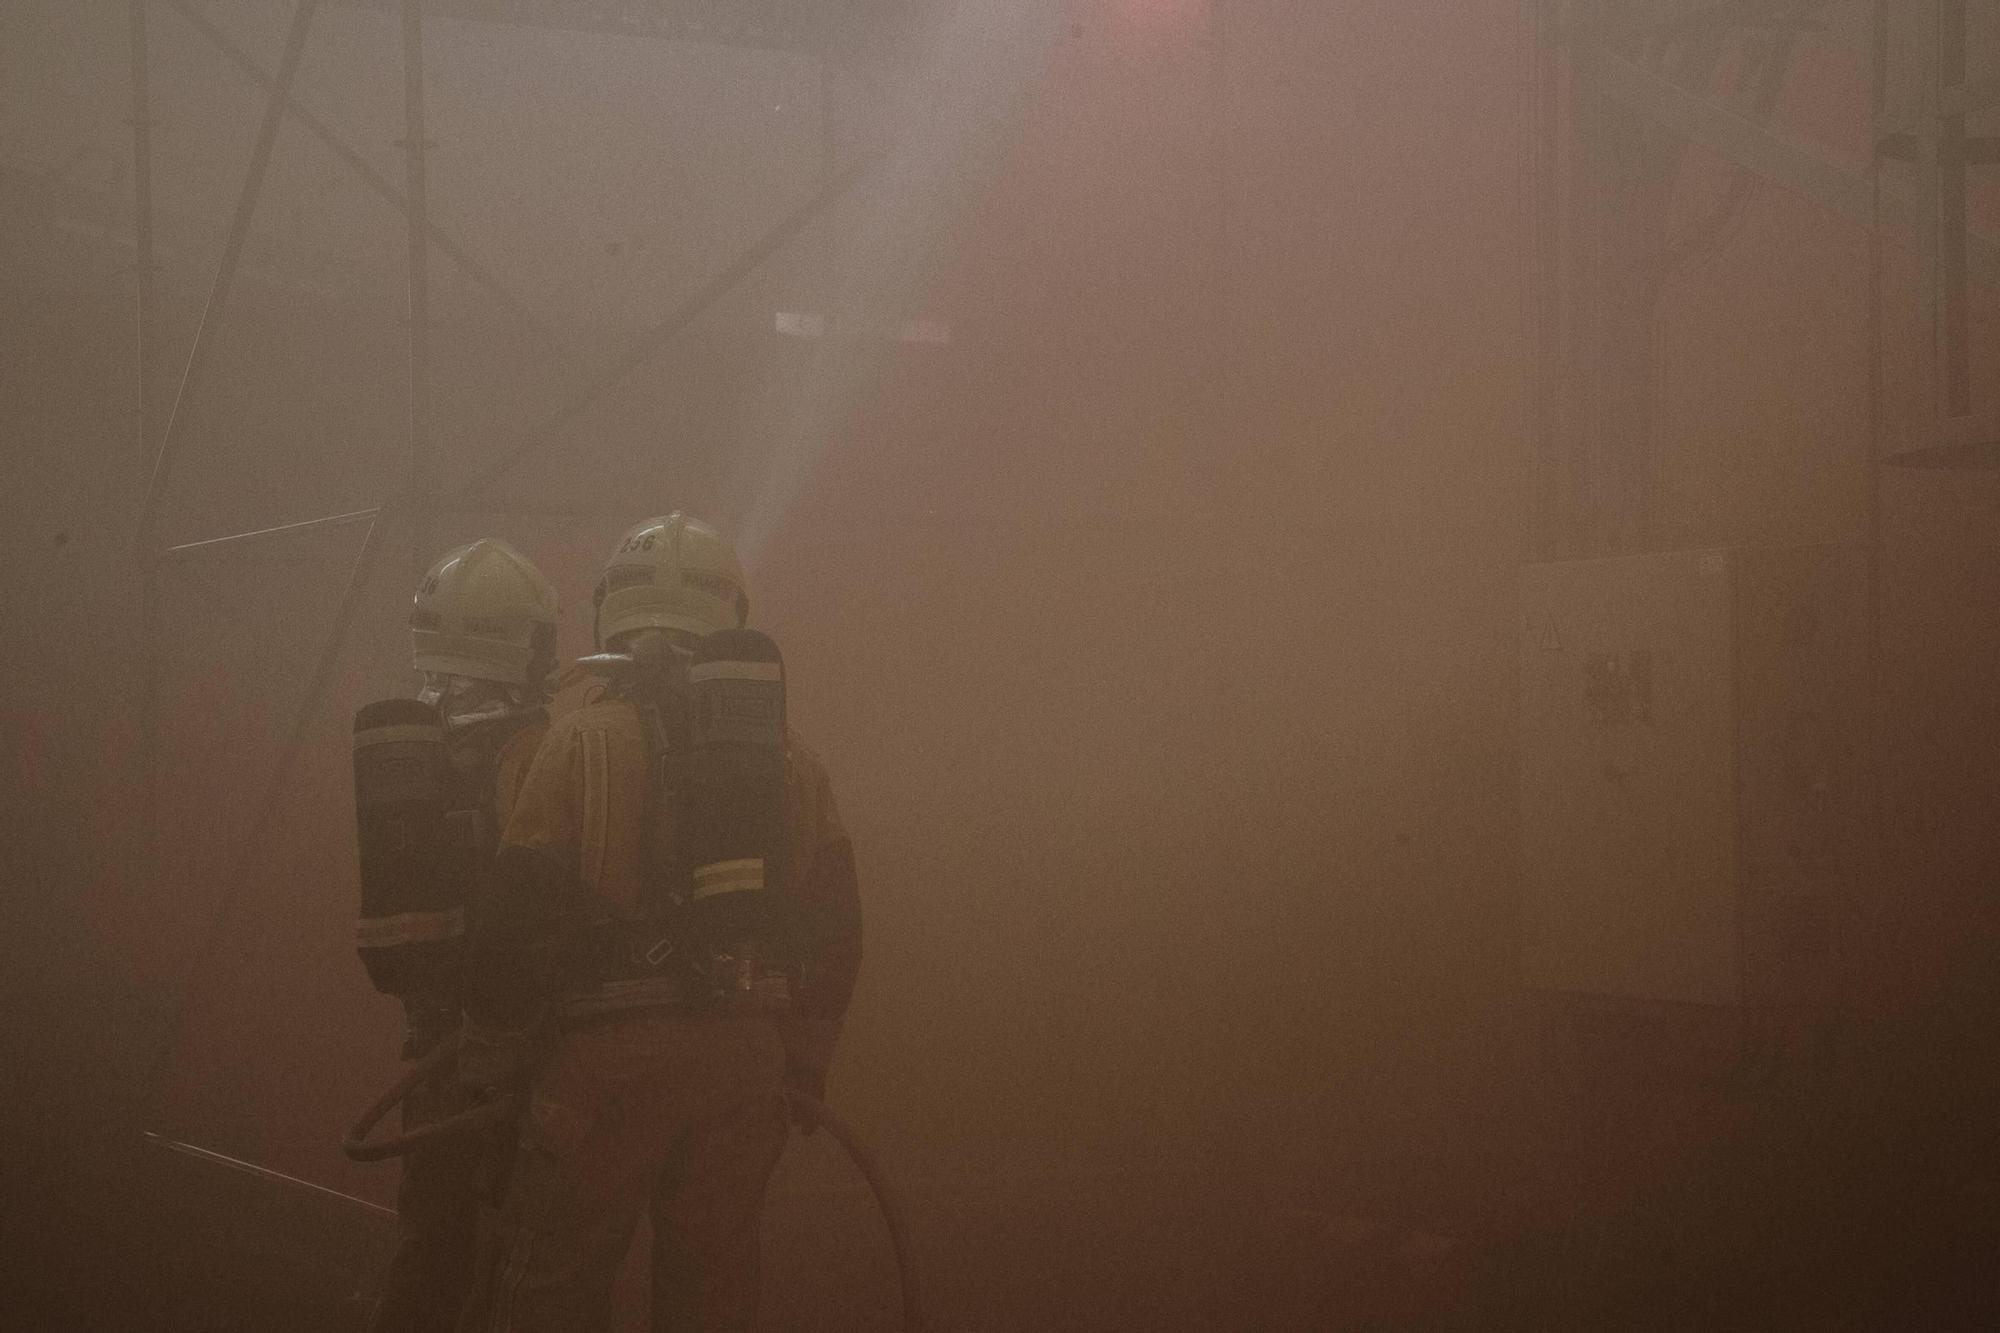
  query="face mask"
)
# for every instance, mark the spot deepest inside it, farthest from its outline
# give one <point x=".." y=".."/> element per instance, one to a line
<point x="462" y="699"/>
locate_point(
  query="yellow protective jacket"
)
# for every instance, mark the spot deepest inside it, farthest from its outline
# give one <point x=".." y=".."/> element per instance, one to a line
<point x="582" y="815"/>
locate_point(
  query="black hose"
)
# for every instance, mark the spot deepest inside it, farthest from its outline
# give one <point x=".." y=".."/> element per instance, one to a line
<point x="356" y="1145"/>
<point x="878" y="1183"/>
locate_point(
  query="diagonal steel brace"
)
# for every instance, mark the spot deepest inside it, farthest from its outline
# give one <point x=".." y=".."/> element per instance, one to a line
<point x="649" y="343"/>
<point x="370" y="177"/>
<point x="225" y="271"/>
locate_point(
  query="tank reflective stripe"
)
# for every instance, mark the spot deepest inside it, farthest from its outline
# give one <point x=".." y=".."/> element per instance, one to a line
<point x="395" y="735"/>
<point x="596" y="806"/>
<point x="719" y="877"/>
<point x="385" y="932"/>
<point x="766" y="671"/>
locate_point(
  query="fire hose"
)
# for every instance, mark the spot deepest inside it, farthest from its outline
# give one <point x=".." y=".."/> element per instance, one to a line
<point x="491" y="1112"/>
<point x="359" y="1147"/>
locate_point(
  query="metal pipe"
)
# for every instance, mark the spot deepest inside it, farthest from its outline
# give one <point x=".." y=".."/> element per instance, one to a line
<point x="648" y="343"/>
<point x="373" y="179"/>
<point x="1220" y="316"/>
<point x="415" y="148"/>
<point x="225" y="272"/>
<point x="263" y="1173"/>
<point x="262" y="534"/>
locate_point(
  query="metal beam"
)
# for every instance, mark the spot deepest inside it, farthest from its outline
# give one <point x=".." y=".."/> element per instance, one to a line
<point x="421" y="486"/>
<point x="142" y="218"/>
<point x="143" y="320"/>
<point x="225" y="271"/>
<point x="1779" y="157"/>
<point x="498" y="509"/>
<point x="481" y="276"/>
<point x="649" y="343"/>
<point x="212" y="544"/>
<point x="264" y="1173"/>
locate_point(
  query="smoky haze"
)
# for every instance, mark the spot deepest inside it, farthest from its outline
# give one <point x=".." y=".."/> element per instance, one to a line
<point x="1137" y="467"/>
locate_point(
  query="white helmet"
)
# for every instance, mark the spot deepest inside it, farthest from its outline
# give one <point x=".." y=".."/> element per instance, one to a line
<point x="671" y="573"/>
<point x="485" y="612"/>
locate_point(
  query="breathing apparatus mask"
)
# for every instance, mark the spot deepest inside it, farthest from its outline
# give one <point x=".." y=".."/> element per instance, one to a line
<point x="464" y="701"/>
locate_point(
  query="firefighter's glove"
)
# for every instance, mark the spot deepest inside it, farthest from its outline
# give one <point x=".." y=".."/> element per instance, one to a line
<point x="493" y="1062"/>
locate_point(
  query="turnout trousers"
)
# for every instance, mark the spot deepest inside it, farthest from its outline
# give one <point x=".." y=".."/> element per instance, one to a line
<point x="683" y="1116"/>
<point x="438" y="1204"/>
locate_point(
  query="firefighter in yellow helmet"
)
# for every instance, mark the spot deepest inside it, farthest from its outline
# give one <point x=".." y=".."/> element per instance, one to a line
<point x="683" y="939"/>
<point x="435" y="779"/>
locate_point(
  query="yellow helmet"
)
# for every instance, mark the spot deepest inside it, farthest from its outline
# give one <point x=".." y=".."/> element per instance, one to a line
<point x="671" y="573"/>
<point x="484" y="611"/>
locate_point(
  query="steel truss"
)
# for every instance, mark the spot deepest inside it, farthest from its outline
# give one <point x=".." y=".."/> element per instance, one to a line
<point x="420" y="499"/>
<point x="1631" y="78"/>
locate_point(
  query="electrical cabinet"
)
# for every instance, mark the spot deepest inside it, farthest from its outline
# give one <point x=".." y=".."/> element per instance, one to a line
<point x="1692" y="736"/>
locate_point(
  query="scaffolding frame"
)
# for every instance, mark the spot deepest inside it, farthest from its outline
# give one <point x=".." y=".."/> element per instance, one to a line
<point x="419" y="500"/>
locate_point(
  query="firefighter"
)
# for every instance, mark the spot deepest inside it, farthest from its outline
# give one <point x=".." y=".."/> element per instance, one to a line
<point x="673" y="937"/>
<point x="435" y="778"/>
